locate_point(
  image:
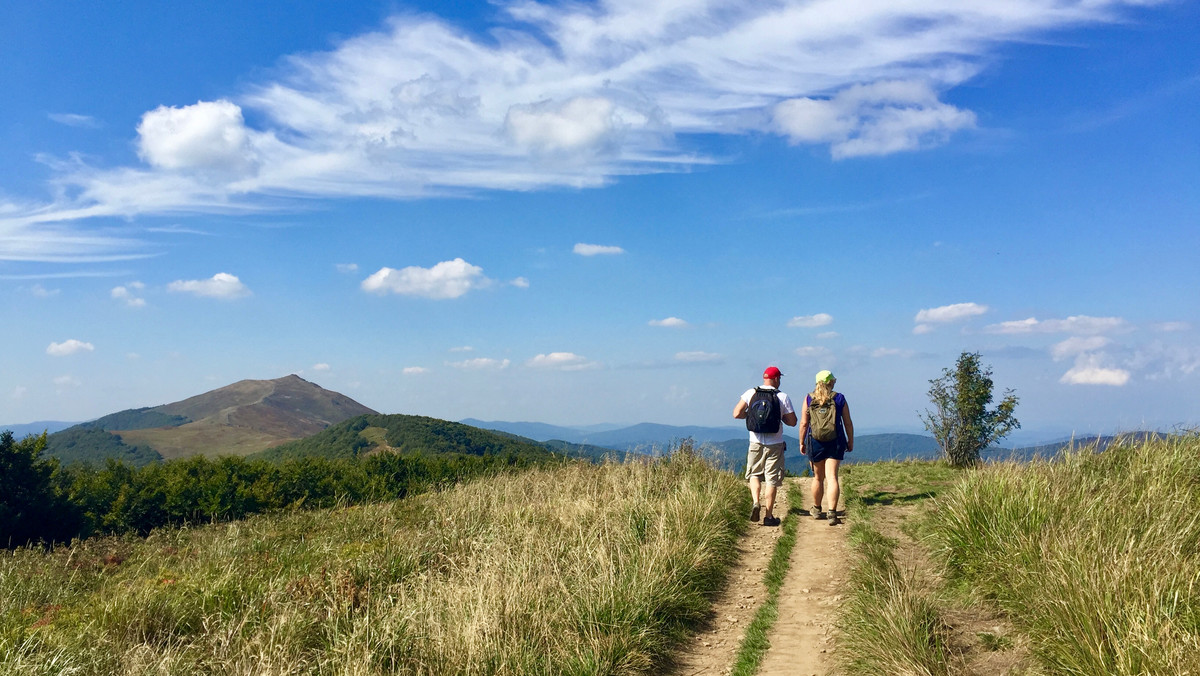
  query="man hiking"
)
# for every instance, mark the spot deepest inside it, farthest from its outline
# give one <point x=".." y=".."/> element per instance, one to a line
<point x="765" y="410"/>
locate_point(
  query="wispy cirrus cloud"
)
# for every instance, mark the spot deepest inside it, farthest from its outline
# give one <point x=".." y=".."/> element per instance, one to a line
<point x="698" y="357"/>
<point x="1078" y="324"/>
<point x="597" y="250"/>
<point x="481" y="364"/>
<point x="564" y="94"/>
<point x="75" y="120"/>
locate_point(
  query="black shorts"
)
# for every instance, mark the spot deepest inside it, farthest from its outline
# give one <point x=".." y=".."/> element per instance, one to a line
<point x="818" y="450"/>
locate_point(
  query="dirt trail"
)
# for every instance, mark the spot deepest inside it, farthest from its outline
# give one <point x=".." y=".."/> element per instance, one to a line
<point x="801" y="638"/>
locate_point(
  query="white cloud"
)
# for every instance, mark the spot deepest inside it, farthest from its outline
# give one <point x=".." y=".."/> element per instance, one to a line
<point x="75" y="120"/>
<point x="922" y="329"/>
<point x="346" y="268"/>
<point x="221" y="285"/>
<point x="481" y="364"/>
<point x="448" y="279"/>
<point x="810" y="321"/>
<point x="879" y="118"/>
<point x="1089" y="371"/>
<point x="1078" y="325"/>
<point x="40" y="291"/>
<point x="207" y="135"/>
<point x="520" y="283"/>
<point x="580" y="124"/>
<point x="462" y="348"/>
<point x="597" y="250"/>
<point x="128" y="292"/>
<point x="414" y="370"/>
<point x="1076" y="345"/>
<point x="562" y="361"/>
<point x="69" y="347"/>
<point x="669" y="322"/>
<point x="420" y="107"/>
<point x="321" y="367"/>
<point x="697" y="357"/>
<point x="949" y="313"/>
<point x="828" y="335"/>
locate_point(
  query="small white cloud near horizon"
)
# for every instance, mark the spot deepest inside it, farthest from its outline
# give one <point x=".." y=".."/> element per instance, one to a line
<point x="1076" y="324"/>
<point x="481" y="364"/>
<point x="321" y="367"/>
<point x="810" y="321"/>
<point x="414" y="370"/>
<point x="1089" y="371"/>
<point x="562" y="361"/>
<point x="69" y="347"/>
<point x="443" y="281"/>
<point x="127" y="294"/>
<point x="949" y="313"/>
<point x="1077" y="345"/>
<point x="346" y="268"/>
<point x="698" y="357"/>
<point x="221" y="285"/>
<point x="597" y="250"/>
<point x="669" y="322"/>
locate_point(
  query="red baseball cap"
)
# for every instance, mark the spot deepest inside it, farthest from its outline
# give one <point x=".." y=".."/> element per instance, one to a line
<point x="772" y="372"/>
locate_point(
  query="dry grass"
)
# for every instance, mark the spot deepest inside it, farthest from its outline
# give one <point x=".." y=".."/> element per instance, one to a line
<point x="577" y="570"/>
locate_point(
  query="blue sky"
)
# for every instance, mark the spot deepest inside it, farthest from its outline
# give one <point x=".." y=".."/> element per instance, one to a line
<point x="593" y="212"/>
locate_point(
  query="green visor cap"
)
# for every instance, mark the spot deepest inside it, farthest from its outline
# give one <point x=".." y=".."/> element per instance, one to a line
<point x="825" y="377"/>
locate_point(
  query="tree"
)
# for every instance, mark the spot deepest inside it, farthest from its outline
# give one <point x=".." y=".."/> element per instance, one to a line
<point x="961" y="422"/>
<point x="32" y="506"/>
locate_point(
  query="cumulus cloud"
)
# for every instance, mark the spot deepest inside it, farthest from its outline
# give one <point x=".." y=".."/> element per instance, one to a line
<point x="128" y="294"/>
<point x="221" y="285"/>
<point x="697" y="357"/>
<point x="448" y="279"/>
<point x="597" y="250"/>
<point x="207" y="135"/>
<point x="481" y="364"/>
<point x="669" y="322"/>
<point x="520" y="283"/>
<point x="878" y="118"/>
<point x="949" y="313"/>
<point x="562" y="361"/>
<point x="1078" y="325"/>
<point x="69" y="347"/>
<point x="810" y="321"/>
<point x="1089" y="370"/>
<point x="582" y="123"/>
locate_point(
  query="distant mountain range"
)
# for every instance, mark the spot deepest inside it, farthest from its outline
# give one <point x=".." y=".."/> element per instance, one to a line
<point x="239" y="419"/>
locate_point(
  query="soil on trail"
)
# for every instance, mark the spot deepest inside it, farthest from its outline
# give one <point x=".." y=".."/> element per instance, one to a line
<point x="801" y="640"/>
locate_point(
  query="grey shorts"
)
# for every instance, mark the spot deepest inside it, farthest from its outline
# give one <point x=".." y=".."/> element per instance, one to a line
<point x="766" y="462"/>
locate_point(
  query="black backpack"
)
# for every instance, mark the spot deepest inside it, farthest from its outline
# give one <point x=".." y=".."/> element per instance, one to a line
<point x="763" y="415"/>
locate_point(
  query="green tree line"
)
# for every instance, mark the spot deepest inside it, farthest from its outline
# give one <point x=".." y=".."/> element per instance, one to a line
<point x="42" y="500"/>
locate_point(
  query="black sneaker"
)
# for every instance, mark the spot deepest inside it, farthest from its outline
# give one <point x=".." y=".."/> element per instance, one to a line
<point x="754" y="513"/>
<point x="817" y="512"/>
<point x="833" y="519"/>
<point x="771" y="521"/>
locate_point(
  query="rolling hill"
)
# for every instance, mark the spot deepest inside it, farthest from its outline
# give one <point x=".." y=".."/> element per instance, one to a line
<point x="245" y="417"/>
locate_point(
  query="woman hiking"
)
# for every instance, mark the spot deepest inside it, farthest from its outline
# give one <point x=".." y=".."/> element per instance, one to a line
<point x="826" y="435"/>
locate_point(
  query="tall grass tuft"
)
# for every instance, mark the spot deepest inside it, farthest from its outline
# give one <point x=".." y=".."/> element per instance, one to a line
<point x="578" y="569"/>
<point x="1096" y="555"/>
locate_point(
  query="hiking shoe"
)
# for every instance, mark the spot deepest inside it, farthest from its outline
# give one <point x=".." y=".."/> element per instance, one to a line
<point x="816" y="512"/>
<point x="771" y="521"/>
<point x="754" y="513"/>
<point x="833" y="519"/>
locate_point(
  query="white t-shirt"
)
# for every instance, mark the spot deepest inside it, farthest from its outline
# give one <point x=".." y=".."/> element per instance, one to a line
<point x="785" y="407"/>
